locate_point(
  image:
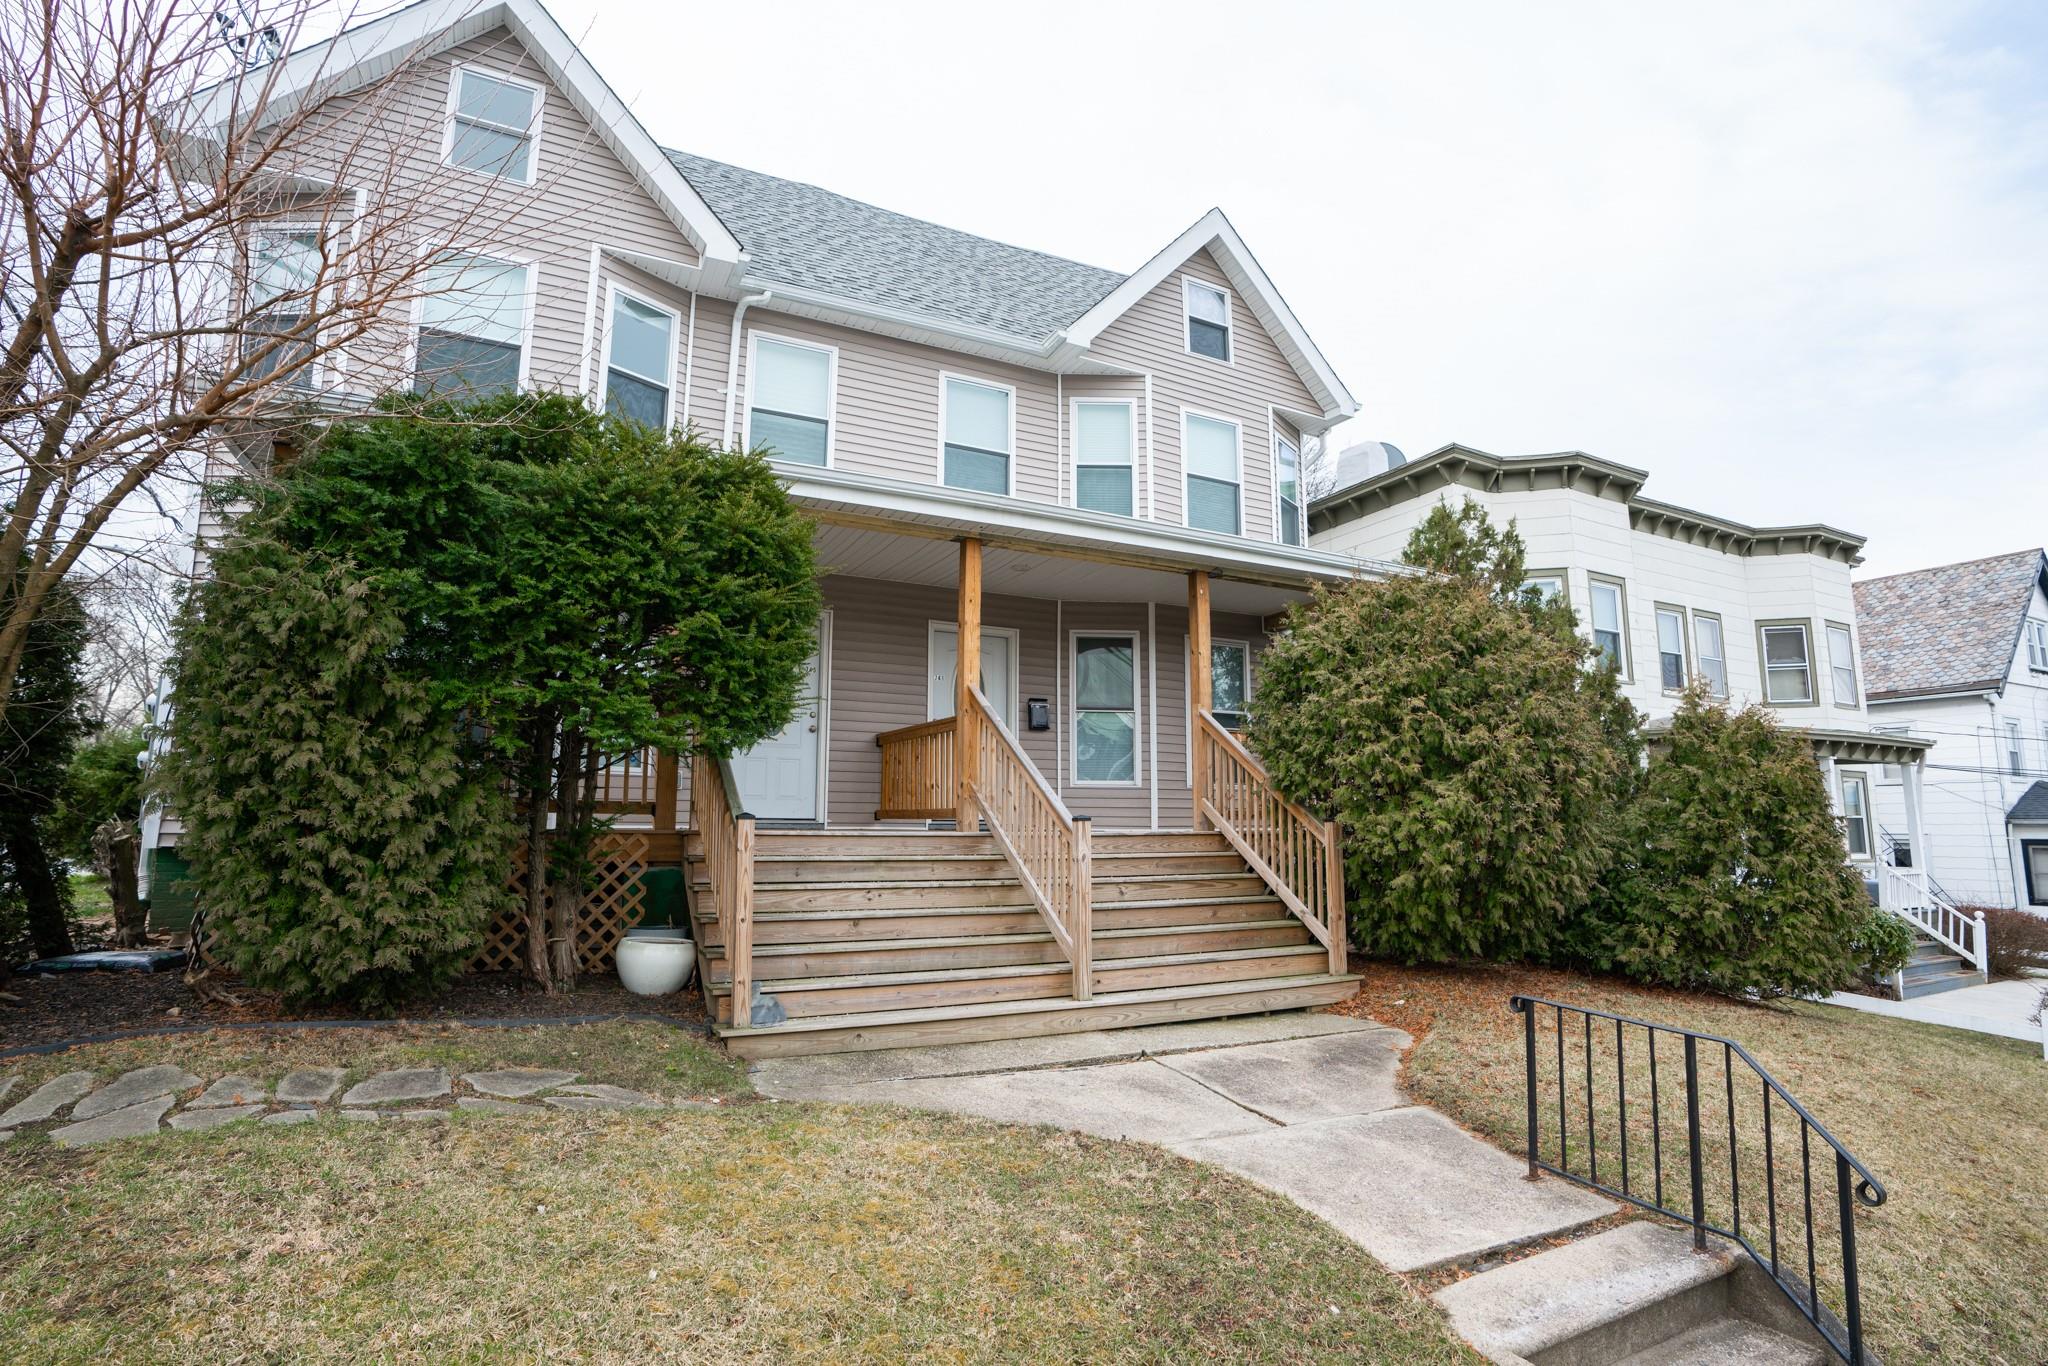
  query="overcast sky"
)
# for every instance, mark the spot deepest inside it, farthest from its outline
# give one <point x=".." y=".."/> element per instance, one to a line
<point x="1792" y="259"/>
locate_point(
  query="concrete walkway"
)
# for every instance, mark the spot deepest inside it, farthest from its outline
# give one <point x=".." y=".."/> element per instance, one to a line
<point x="2004" y="1008"/>
<point x="1305" y="1105"/>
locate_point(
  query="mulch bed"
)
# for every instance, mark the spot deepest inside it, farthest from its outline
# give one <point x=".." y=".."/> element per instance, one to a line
<point x="1412" y="998"/>
<point x="50" y="1009"/>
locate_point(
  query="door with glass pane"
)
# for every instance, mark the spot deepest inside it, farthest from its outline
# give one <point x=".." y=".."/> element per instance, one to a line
<point x="1105" y="708"/>
<point x="998" y="672"/>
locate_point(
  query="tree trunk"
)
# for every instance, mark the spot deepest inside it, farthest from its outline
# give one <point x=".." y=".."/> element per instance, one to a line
<point x="565" y="891"/>
<point x="116" y="847"/>
<point x="540" y="767"/>
<point x="45" y="901"/>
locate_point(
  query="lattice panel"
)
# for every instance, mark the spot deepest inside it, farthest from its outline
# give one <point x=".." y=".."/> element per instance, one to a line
<point x="615" y="903"/>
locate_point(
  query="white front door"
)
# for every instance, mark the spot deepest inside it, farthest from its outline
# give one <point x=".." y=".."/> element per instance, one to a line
<point x="998" y="671"/>
<point x="778" y="778"/>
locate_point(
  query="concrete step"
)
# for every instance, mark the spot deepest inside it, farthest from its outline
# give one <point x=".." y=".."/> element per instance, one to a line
<point x="1916" y="987"/>
<point x="1729" y="1342"/>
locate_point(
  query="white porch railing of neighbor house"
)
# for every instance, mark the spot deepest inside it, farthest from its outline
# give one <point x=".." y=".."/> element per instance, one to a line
<point x="1905" y="893"/>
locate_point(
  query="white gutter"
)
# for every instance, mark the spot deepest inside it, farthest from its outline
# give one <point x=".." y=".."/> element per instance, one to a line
<point x="732" y="361"/>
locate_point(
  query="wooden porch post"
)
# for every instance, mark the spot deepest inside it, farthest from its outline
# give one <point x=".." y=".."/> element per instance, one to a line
<point x="665" y="785"/>
<point x="967" y="675"/>
<point x="1200" y="685"/>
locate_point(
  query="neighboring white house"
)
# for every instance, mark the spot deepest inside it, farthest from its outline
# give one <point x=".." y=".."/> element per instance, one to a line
<point x="1670" y="596"/>
<point x="1959" y="654"/>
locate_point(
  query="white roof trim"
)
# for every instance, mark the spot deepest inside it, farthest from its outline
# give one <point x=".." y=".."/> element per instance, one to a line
<point x="360" y="55"/>
<point x="1242" y="269"/>
<point x="959" y="512"/>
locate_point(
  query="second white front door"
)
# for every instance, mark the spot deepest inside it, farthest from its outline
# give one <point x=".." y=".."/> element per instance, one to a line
<point x="998" y="671"/>
<point x="778" y="778"/>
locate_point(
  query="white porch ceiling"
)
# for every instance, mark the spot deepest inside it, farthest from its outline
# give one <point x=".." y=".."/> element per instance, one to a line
<point x="864" y="553"/>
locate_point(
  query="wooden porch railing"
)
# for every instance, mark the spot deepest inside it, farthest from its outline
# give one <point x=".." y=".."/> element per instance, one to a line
<point x="1905" y="893"/>
<point x="728" y="835"/>
<point x="1297" y="855"/>
<point x="1047" y="844"/>
<point x="917" y="773"/>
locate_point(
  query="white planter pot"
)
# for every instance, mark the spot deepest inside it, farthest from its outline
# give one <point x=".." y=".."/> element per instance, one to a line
<point x="656" y="962"/>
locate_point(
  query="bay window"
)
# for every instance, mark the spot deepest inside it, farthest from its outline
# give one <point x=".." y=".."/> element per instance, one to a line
<point x="979" y="434"/>
<point x="1209" y="447"/>
<point x="1842" y="664"/>
<point x="1671" y="669"/>
<point x="1287" y="474"/>
<point x="639" y="360"/>
<point x="1104" y="456"/>
<point x="284" y="272"/>
<point x="472" y="330"/>
<point x="1610" y="622"/>
<point x="1788" y="664"/>
<point x="1710" y="652"/>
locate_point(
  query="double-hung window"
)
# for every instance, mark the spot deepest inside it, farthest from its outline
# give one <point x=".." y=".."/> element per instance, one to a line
<point x="1230" y="682"/>
<point x="639" y="367"/>
<point x="789" y="410"/>
<point x="1106" y="709"/>
<point x="1547" y="585"/>
<point x="979" y="435"/>
<point x="2037" y="644"/>
<point x="1788" y="663"/>
<point x="1842" y="664"/>
<point x="1856" y="814"/>
<point x="1208" y="315"/>
<point x="2015" y="756"/>
<point x="1671" y="671"/>
<point x="1710" y="652"/>
<point x="493" y="123"/>
<point x="284" y="274"/>
<point x="472" y="335"/>
<point x="1209" y="446"/>
<point x="1287" y="475"/>
<point x="1104" y="446"/>
<point x="1610" y="622"/>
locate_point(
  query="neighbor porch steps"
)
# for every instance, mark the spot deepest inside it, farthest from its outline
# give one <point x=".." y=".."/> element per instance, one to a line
<point x="1934" y="968"/>
<point x="869" y="940"/>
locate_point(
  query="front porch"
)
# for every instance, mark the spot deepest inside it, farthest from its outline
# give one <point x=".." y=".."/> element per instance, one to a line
<point x="1013" y="803"/>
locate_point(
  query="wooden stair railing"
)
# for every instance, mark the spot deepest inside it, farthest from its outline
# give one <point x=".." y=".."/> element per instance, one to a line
<point x="917" y="773"/>
<point x="1296" y="854"/>
<point x="727" y="832"/>
<point x="1047" y="844"/>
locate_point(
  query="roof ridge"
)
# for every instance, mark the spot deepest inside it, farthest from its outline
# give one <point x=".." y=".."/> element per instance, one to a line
<point x="1952" y="564"/>
<point x="674" y="152"/>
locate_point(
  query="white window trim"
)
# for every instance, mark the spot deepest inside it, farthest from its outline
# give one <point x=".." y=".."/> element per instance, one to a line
<point x="1625" y="665"/>
<point x="1763" y="660"/>
<point x="1658" y="611"/>
<point x="1300" y="500"/>
<point x="1074" y="462"/>
<point x="948" y="376"/>
<point x="2014" y="750"/>
<point x="1828" y="629"/>
<point x="1074" y="779"/>
<point x="314" y="373"/>
<point x="1187" y="681"/>
<point x="934" y="628"/>
<point x="1720" y="629"/>
<point x="1869" y="819"/>
<point x="1186" y="505"/>
<point x="1187" y="316"/>
<point x="503" y="257"/>
<point x="2036" y="630"/>
<point x="675" y="332"/>
<point x="831" y="392"/>
<point x="532" y="131"/>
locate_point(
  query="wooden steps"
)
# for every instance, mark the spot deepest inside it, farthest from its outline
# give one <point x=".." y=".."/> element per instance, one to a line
<point x="920" y="936"/>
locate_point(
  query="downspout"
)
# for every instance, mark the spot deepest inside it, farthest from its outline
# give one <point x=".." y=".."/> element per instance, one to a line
<point x="732" y="363"/>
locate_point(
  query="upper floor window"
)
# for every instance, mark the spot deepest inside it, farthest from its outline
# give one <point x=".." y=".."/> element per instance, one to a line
<point x="1842" y="664"/>
<point x="2037" y="644"/>
<point x="1788" y="664"/>
<point x="1671" y="648"/>
<point x="1209" y="446"/>
<point x="1711" y="652"/>
<point x="1610" y="616"/>
<point x="639" y="366"/>
<point x="1104" y="441"/>
<point x="284" y="274"/>
<point x="980" y="434"/>
<point x="472" y="333"/>
<point x="2015" y="756"/>
<point x="1230" y="682"/>
<point x="1546" y="584"/>
<point x="1287" y="474"/>
<point x="493" y="124"/>
<point x="1208" y="312"/>
<point x="789" y="408"/>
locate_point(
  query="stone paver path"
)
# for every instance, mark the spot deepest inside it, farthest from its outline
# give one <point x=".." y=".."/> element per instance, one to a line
<point x="1318" y="1118"/>
<point x="141" y="1101"/>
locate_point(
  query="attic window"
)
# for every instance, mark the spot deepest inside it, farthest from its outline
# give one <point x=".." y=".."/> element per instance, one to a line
<point x="2037" y="644"/>
<point x="1208" y="310"/>
<point x="493" y="123"/>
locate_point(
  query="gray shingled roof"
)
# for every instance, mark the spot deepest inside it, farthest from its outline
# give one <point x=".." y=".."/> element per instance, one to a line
<point x="1952" y="628"/>
<point x="800" y="235"/>
<point x="2032" y="805"/>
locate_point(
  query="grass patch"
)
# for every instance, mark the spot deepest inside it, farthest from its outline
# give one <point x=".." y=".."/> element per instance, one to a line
<point x="1954" y="1265"/>
<point x="89" y="898"/>
<point x="643" y="1055"/>
<point x="763" y="1232"/>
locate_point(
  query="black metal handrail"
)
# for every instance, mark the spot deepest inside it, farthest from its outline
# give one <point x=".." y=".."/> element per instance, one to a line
<point x="1854" y="1182"/>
